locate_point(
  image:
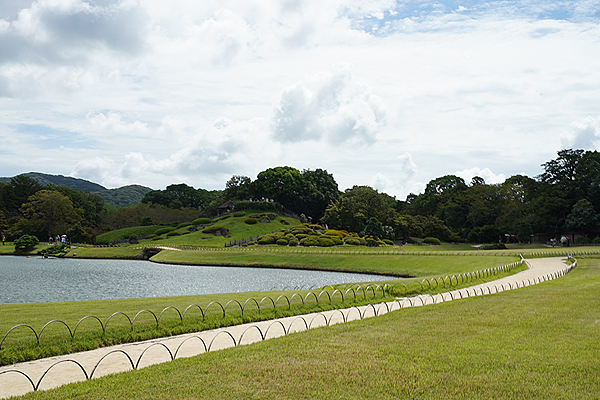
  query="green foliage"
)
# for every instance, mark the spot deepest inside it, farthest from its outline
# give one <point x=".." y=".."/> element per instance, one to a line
<point x="293" y="241"/>
<point x="184" y="224"/>
<point x="151" y="236"/>
<point x="353" y="241"/>
<point x="178" y="196"/>
<point x="282" y="242"/>
<point x="213" y="229"/>
<point x="120" y="234"/>
<point x="202" y="221"/>
<point x="147" y="221"/>
<point x="53" y="250"/>
<point x="172" y="233"/>
<point x="25" y="243"/>
<point x="251" y="221"/>
<point x="596" y="240"/>
<point x="124" y="196"/>
<point x="310" y="241"/>
<point x="371" y="242"/>
<point x="432" y="240"/>
<point x="162" y="231"/>
<point x="238" y="214"/>
<point x="326" y="242"/>
<point x="388" y="242"/>
<point x="583" y="240"/>
<point x="267" y="239"/>
<point x="494" y="246"/>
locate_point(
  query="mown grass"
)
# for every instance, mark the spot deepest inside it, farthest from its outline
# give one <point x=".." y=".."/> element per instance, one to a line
<point x="538" y="342"/>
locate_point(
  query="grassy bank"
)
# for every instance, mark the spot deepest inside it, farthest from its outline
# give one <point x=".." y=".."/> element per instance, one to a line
<point x="538" y="342"/>
<point x="20" y="345"/>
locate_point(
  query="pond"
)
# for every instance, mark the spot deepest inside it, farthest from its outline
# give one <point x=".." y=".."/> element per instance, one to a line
<point x="37" y="279"/>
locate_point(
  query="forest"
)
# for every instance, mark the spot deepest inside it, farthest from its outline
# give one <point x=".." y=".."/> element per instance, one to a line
<point x="563" y="199"/>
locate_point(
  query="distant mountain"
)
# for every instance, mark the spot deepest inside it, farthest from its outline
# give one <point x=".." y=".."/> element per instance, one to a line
<point x="124" y="196"/>
<point x="120" y="197"/>
<point x="60" y="180"/>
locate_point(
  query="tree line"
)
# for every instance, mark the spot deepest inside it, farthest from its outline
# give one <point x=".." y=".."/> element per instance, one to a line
<point x="564" y="198"/>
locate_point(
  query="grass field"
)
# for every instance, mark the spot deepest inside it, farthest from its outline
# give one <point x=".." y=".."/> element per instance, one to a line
<point x="539" y="342"/>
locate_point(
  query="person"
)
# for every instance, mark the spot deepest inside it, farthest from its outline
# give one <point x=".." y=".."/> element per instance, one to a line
<point x="3" y="239"/>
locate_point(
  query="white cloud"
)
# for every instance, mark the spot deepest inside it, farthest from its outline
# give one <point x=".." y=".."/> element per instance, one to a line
<point x="488" y="176"/>
<point x="584" y="134"/>
<point x="329" y="106"/>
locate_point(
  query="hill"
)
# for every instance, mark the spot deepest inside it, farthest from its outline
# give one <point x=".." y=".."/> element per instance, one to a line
<point x="124" y="196"/>
<point x="120" y="197"/>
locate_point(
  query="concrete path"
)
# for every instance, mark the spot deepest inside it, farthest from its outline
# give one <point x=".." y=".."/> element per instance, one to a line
<point x="56" y="371"/>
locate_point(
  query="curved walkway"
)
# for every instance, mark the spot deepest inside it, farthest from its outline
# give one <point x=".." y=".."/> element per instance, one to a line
<point x="56" y="371"/>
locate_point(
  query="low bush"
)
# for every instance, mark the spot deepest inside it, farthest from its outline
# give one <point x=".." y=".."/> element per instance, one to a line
<point x="202" y="221"/>
<point x="267" y="239"/>
<point x="26" y="243"/>
<point x="282" y="242"/>
<point x="63" y="248"/>
<point x="583" y="240"/>
<point x="162" y="231"/>
<point x="255" y="216"/>
<point x="309" y="241"/>
<point x="293" y="241"/>
<point x="494" y="246"/>
<point x="372" y="242"/>
<point x="172" y="233"/>
<point x="432" y="240"/>
<point x="151" y="236"/>
<point x="251" y="221"/>
<point x="388" y="241"/>
<point x="271" y="216"/>
<point x="325" y="241"/>
<point x="596" y="240"/>
<point x="184" y="225"/>
<point x="157" y="238"/>
<point x="225" y="217"/>
<point x="213" y="229"/>
<point x="354" y="241"/>
<point x="239" y="214"/>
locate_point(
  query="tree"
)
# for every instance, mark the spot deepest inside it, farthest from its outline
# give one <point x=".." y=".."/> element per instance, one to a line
<point x="356" y="205"/>
<point x="321" y="190"/>
<point x="26" y="243"/>
<point x="583" y="218"/>
<point x="178" y="196"/>
<point x="285" y="185"/>
<point x="373" y="228"/>
<point x="50" y="212"/>
<point x="237" y="188"/>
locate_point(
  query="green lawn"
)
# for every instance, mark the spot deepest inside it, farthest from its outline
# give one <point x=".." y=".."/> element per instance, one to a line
<point x="539" y="342"/>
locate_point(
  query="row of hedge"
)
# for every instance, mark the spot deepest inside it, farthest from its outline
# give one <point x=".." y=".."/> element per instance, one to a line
<point x="315" y="235"/>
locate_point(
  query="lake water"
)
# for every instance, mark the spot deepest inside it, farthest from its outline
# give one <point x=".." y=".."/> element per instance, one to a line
<point x="37" y="279"/>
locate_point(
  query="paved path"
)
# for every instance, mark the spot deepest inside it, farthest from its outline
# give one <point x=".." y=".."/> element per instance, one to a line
<point x="56" y="371"/>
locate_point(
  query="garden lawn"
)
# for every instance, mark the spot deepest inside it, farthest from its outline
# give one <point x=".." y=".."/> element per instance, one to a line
<point x="538" y="342"/>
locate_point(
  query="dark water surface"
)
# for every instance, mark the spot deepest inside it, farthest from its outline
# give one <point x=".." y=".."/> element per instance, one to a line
<point x="36" y="279"/>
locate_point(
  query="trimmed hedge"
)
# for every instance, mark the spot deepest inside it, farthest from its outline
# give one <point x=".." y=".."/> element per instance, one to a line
<point x="184" y="225"/>
<point x="162" y="231"/>
<point x="251" y="221"/>
<point x="239" y="214"/>
<point x="212" y="229"/>
<point x="202" y="221"/>
<point x="432" y="240"/>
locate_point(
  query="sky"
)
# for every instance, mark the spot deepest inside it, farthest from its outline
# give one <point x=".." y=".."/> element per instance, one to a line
<point x="390" y="94"/>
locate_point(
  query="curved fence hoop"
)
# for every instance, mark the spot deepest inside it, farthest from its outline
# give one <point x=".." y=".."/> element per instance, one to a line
<point x="286" y="299"/>
<point x="315" y="317"/>
<point x="428" y="282"/>
<point x="137" y="364"/>
<point x="21" y="373"/>
<point x="285" y="332"/>
<point x="261" y="301"/>
<point x="294" y="295"/>
<point x="215" y="302"/>
<point x="306" y="298"/>
<point x="190" y="306"/>
<point x="365" y="311"/>
<point x="353" y="292"/>
<point x="90" y="316"/>
<point x="387" y="308"/>
<point x="341" y="295"/>
<point x="51" y="322"/>
<point x="37" y="386"/>
<point x="294" y="320"/>
<point x="169" y="308"/>
<point x="143" y="311"/>
<point x="121" y="313"/>
<point x="37" y="338"/>
<point x="189" y="338"/>
<point x="217" y="334"/>
<point x="108" y="354"/>
<point x="328" y="296"/>
<point x="334" y="313"/>
<point x="350" y="310"/>
<point x="262" y="336"/>
<point x="373" y="289"/>
<point x="234" y="301"/>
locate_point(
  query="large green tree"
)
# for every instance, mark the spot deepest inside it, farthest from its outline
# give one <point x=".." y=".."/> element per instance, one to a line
<point x="49" y="212"/>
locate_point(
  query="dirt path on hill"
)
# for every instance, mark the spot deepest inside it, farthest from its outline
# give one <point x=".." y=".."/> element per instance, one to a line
<point x="56" y="371"/>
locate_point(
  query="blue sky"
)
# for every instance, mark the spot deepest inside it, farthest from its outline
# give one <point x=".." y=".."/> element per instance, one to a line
<point x="384" y="93"/>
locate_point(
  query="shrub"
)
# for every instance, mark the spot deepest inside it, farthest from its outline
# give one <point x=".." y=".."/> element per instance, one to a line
<point x="225" y="217"/>
<point x="310" y="241"/>
<point x="432" y="240"/>
<point x="333" y="232"/>
<point x="315" y="226"/>
<point x="388" y="241"/>
<point x="213" y="229"/>
<point x="596" y="240"/>
<point x="282" y="242"/>
<point x="63" y="248"/>
<point x="494" y="246"/>
<point x="325" y="242"/>
<point x="202" y="221"/>
<point x="255" y="216"/>
<point x="300" y="229"/>
<point x="172" y="233"/>
<point x="184" y="225"/>
<point x="584" y="240"/>
<point x="267" y="239"/>
<point x="162" y="231"/>
<point x="271" y="216"/>
<point x="372" y="242"/>
<point x="26" y="243"/>
<point x="301" y="236"/>
<point x="354" y="241"/>
<point x="239" y="214"/>
<point x="251" y="221"/>
<point x="293" y="241"/>
<point x="335" y="239"/>
<point x="151" y="236"/>
<point x="157" y="238"/>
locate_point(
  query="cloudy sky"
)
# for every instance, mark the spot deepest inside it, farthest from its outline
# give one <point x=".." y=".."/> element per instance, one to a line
<point x="384" y="93"/>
